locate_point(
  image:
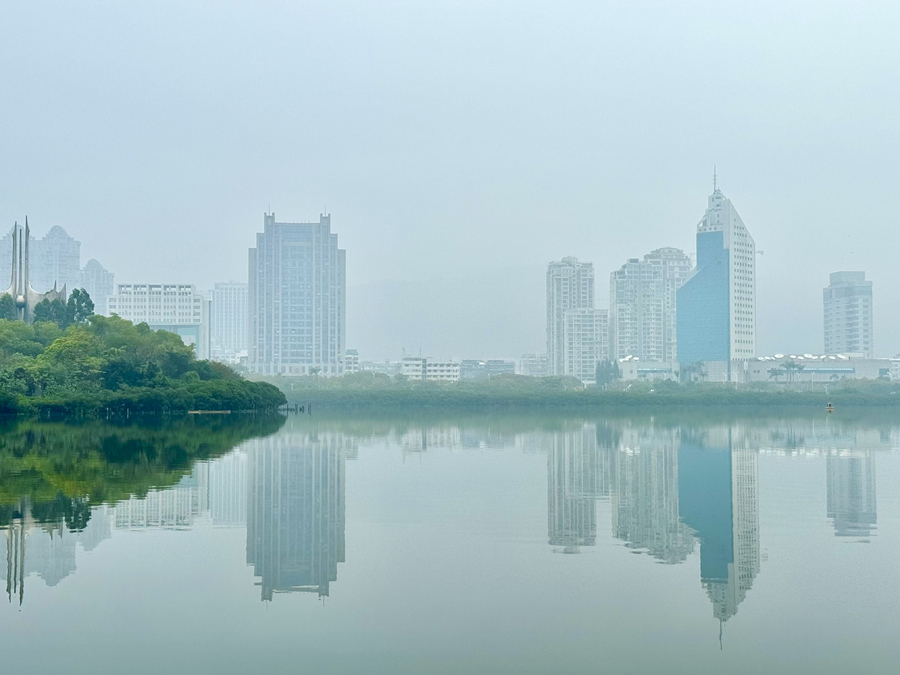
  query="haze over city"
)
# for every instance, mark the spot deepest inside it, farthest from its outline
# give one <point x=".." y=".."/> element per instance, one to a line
<point x="459" y="148"/>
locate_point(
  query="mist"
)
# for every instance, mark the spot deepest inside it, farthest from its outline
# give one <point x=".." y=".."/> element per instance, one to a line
<point x="460" y="147"/>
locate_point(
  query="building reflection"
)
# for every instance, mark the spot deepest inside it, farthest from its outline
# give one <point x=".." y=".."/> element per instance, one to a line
<point x="576" y="478"/>
<point x="850" y="492"/>
<point x="719" y="500"/>
<point x="644" y="501"/>
<point x="295" y="511"/>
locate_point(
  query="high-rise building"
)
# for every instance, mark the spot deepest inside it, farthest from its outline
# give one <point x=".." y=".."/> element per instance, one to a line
<point x="570" y="285"/>
<point x="20" y="289"/>
<point x="585" y="341"/>
<point x="177" y="308"/>
<point x="228" y="321"/>
<point x="848" y="315"/>
<point x="642" y="305"/>
<point x="716" y="306"/>
<point x="296" y="299"/>
<point x="99" y="283"/>
<point x="57" y="261"/>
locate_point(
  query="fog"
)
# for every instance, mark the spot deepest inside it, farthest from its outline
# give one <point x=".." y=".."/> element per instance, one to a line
<point x="460" y="146"/>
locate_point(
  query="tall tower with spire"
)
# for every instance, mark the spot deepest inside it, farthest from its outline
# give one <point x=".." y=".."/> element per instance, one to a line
<point x="716" y="307"/>
<point x="24" y="296"/>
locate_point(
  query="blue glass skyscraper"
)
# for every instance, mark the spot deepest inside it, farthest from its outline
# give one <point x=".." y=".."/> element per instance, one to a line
<point x="716" y="307"/>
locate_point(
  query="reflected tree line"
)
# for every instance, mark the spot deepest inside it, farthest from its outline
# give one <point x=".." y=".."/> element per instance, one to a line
<point x="671" y="488"/>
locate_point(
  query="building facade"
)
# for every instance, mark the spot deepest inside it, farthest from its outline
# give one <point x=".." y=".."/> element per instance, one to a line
<point x="534" y="365"/>
<point x="99" y="283"/>
<point x="849" y="328"/>
<point x="422" y="368"/>
<point x="296" y="299"/>
<point x="228" y="321"/>
<point x="176" y="308"/>
<point x="570" y="285"/>
<point x="586" y="342"/>
<point x="476" y="369"/>
<point x="351" y="361"/>
<point x="716" y="306"/>
<point x="642" y="305"/>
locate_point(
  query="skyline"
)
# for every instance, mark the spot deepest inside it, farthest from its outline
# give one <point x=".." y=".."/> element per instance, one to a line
<point x="502" y="136"/>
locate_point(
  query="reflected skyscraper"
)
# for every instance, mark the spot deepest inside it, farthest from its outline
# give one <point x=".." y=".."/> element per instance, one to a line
<point x="645" y="511"/>
<point x="295" y="511"/>
<point x="718" y="495"/>
<point x="574" y="483"/>
<point x="851" y="493"/>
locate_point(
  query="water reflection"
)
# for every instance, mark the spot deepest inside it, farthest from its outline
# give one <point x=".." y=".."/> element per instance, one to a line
<point x="676" y="490"/>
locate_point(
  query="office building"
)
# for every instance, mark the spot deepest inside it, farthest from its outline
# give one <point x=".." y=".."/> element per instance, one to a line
<point x="99" y="283"/>
<point x="176" y="308"/>
<point x="228" y="321"/>
<point x="475" y="369"/>
<point x="423" y="368"/>
<point x="642" y="306"/>
<point x="351" y="361"/>
<point x="534" y="365"/>
<point x="716" y="306"/>
<point x="585" y="341"/>
<point x="849" y="328"/>
<point x="570" y="285"/>
<point x="296" y="299"/>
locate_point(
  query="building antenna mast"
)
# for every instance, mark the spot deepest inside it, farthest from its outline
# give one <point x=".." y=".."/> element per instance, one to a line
<point x="715" y="179"/>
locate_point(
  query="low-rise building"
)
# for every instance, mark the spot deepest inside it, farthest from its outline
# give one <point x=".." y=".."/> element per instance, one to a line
<point x="177" y="308"/>
<point x="475" y="369"/>
<point x="423" y="368"/>
<point x="534" y="365"/>
<point x="632" y="368"/>
<point x="351" y="361"/>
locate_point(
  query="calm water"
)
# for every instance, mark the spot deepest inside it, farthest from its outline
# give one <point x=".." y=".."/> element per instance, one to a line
<point x="674" y="544"/>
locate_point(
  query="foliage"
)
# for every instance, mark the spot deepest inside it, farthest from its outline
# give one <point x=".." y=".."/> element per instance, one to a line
<point x="63" y="469"/>
<point x="607" y="372"/>
<point x="109" y="365"/>
<point x="7" y="308"/>
<point x="76" y="310"/>
<point x="376" y="391"/>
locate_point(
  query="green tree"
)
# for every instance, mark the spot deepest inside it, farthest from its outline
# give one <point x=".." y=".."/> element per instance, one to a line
<point x="606" y="372"/>
<point x="52" y="311"/>
<point x="7" y="308"/>
<point x="79" y="307"/>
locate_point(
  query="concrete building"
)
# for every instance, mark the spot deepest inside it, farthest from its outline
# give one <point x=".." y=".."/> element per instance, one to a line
<point x="57" y="260"/>
<point x="297" y="299"/>
<point x="177" y="308"/>
<point x="810" y="369"/>
<point x="642" y="307"/>
<point x="423" y="368"/>
<point x="534" y="365"/>
<point x="849" y="328"/>
<point x="631" y="368"/>
<point x="351" y="361"/>
<point x="716" y="306"/>
<point x="476" y="369"/>
<point x="228" y="321"/>
<point x="99" y="283"/>
<point x="570" y="285"/>
<point x="586" y="342"/>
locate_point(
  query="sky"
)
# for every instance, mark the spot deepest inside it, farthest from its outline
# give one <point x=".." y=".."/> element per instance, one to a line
<point x="461" y="146"/>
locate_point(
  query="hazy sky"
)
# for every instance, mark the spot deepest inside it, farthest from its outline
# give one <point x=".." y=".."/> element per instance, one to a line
<point x="454" y="141"/>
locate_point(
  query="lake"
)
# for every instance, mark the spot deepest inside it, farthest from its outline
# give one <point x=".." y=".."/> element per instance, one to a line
<point x="673" y="542"/>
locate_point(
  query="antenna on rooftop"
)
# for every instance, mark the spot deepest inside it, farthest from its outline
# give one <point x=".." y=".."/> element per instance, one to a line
<point x="715" y="179"/>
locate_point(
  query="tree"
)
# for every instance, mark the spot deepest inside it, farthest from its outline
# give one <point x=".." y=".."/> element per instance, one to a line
<point x="53" y="311"/>
<point x="80" y="307"/>
<point x="7" y="308"/>
<point x="606" y="372"/>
